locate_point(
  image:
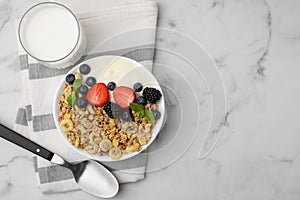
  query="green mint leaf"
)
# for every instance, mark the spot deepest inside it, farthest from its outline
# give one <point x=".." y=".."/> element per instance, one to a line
<point x="71" y="99"/>
<point x="141" y="114"/>
<point x="136" y="107"/>
<point x="149" y="116"/>
<point x="77" y="83"/>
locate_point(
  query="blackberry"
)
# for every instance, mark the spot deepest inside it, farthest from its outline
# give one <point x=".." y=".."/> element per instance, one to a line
<point x="112" y="110"/>
<point x="151" y="94"/>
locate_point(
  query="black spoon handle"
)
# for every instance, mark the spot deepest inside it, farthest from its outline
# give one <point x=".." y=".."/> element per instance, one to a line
<point x="22" y="141"/>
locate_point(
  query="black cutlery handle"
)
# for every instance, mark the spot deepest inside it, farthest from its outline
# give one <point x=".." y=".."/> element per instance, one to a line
<point x="22" y="141"/>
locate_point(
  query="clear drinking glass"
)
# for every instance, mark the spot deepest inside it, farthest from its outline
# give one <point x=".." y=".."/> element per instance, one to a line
<point x="50" y="33"/>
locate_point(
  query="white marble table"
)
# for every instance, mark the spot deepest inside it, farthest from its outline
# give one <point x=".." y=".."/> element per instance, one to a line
<point x="256" y="46"/>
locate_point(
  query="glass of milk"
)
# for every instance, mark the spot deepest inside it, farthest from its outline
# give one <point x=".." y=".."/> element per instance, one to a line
<point x="50" y="33"/>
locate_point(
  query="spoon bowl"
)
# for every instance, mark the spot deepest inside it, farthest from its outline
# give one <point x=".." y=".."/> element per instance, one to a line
<point x="93" y="179"/>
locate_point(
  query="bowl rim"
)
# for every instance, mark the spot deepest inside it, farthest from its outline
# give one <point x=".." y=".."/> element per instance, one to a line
<point x="106" y="158"/>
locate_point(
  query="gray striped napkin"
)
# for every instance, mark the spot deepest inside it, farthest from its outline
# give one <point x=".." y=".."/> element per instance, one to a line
<point x="100" y="20"/>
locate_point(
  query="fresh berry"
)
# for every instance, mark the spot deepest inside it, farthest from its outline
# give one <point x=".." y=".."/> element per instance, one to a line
<point x="81" y="102"/>
<point x="90" y="81"/>
<point x="83" y="89"/>
<point x="111" y="85"/>
<point x="70" y="78"/>
<point x="141" y="100"/>
<point x="127" y="115"/>
<point x="156" y="114"/>
<point x="137" y="87"/>
<point x="98" y="94"/>
<point x="112" y="110"/>
<point x="123" y="96"/>
<point x="84" y="69"/>
<point x="151" y="94"/>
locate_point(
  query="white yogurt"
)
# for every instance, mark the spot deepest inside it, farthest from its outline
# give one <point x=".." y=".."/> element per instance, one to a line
<point x="50" y="33"/>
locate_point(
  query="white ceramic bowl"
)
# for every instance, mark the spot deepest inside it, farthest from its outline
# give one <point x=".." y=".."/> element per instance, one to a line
<point x="123" y="71"/>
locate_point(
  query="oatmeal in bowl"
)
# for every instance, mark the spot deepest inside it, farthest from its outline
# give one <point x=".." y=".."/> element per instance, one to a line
<point x="107" y="115"/>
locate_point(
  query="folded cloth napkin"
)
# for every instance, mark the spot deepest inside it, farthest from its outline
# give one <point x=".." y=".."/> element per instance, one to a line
<point x="100" y="20"/>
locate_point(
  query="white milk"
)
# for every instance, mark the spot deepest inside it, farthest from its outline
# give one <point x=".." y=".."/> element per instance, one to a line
<point x="50" y="33"/>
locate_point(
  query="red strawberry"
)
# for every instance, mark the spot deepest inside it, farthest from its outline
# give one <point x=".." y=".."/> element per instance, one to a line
<point x="123" y="96"/>
<point x="98" y="94"/>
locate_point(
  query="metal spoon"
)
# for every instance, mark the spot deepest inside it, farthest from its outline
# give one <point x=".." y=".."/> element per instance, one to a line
<point x="90" y="175"/>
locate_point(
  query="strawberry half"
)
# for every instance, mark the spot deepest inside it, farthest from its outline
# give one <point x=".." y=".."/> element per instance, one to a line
<point x="98" y="94"/>
<point x="123" y="96"/>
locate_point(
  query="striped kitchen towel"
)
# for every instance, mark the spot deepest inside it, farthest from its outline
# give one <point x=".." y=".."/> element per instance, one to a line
<point x="107" y="25"/>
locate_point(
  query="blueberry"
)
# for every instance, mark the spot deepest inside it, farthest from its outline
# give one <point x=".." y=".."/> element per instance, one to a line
<point x="84" y="69"/>
<point x="81" y="102"/>
<point x="156" y="114"/>
<point x="141" y="100"/>
<point x="83" y="89"/>
<point x="90" y="81"/>
<point x="137" y="87"/>
<point x="126" y="116"/>
<point x="111" y="85"/>
<point x="70" y="78"/>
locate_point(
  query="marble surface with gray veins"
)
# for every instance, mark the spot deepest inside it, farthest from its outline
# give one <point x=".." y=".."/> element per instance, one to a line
<point x="255" y="45"/>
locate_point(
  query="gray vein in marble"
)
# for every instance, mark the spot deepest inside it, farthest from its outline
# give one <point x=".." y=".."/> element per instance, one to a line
<point x="5" y="14"/>
<point x="275" y="160"/>
<point x="216" y="3"/>
<point x="219" y="4"/>
<point x="260" y="50"/>
<point x="255" y="41"/>
<point x="218" y="166"/>
<point x="230" y="194"/>
<point x="4" y="22"/>
<point x="226" y="120"/>
<point x="5" y="188"/>
<point x="13" y="159"/>
<point x="272" y="184"/>
<point x="289" y="161"/>
<point x="6" y="57"/>
<point x="232" y="109"/>
<point x="11" y="91"/>
<point x="14" y="64"/>
<point x="220" y="61"/>
<point x="8" y="184"/>
<point x="215" y="133"/>
<point x="172" y="24"/>
<point x="5" y="185"/>
<point x="260" y="68"/>
<point x="295" y="37"/>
